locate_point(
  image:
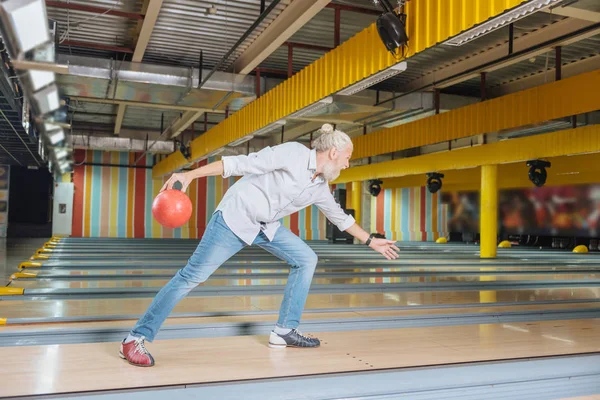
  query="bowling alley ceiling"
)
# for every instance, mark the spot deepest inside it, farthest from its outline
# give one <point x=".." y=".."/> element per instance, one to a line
<point x="187" y="32"/>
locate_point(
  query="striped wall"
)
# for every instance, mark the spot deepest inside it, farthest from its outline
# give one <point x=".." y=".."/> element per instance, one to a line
<point x="409" y="214"/>
<point x="115" y="201"/>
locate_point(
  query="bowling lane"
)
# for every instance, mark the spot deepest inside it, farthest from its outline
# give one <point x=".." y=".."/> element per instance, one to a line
<point x="236" y="359"/>
<point x="265" y="270"/>
<point x="349" y="280"/>
<point x="215" y="305"/>
<point x="37" y="265"/>
<point x="51" y="328"/>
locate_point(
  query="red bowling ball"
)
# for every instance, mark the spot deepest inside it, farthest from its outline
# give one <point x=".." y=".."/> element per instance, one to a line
<point x="172" y="208"/>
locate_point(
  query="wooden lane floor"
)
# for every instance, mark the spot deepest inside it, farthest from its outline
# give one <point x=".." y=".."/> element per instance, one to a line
<point x="261" y="324"/>
<point x="160" y="254"/>
<point x="41" y="370"/>
<point x="349" y="279"/>
<point x="56" y="310"/>
<point x="324" y="250"/>
<point x="121" y="289"/>
<point x="191" y="244"/>
<point x="430" y="262"/>
<point x="49" y="327"/>
<point x="325" y="271"/>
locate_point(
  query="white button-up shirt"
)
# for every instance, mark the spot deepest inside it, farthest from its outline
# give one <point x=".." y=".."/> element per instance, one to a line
<point x="277" y="181"/>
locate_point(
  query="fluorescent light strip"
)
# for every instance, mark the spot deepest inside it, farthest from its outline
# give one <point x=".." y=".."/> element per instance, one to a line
<point x="241" y="140"/>
<point x="374" y="79"/>
<point x="216" y="152"/>
<point x="270" y="127"/>
<point x="260" y="131"/>
<point x="313" y="107"/>
<point x="493" y="24"/>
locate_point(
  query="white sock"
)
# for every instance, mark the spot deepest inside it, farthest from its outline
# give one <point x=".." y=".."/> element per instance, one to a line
<point x="131" y="338"/>
<point x="281" y="331"/>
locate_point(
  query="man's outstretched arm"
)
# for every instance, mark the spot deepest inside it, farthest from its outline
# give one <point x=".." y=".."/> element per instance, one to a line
<point x="383" y="246"/>
<point x="212" y="169"/>
<point x="332" y="210"/>
<point x="261" y="162"/>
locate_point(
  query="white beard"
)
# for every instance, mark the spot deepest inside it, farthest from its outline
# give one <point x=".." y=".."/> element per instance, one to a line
<point x="330" y="173"/>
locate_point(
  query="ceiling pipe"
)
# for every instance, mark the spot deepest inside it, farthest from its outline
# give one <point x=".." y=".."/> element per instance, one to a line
<point x="93" y="9"/>
<point x="256" y="23"/>
<point x="91" y="67"/>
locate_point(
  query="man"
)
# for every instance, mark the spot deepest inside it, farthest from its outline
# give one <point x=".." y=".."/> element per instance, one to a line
<point x="277" y="181"/>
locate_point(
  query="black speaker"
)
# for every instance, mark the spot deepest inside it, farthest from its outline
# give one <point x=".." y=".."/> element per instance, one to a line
<point x="392" y="30"/>
<point x="340" y="197"/>
<point x="333" y="233"/>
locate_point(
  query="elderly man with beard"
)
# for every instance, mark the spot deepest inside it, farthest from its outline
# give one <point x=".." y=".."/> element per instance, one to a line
<point x="277" y="181"/>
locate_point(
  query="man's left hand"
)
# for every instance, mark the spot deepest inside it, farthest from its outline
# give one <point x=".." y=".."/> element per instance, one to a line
<point x="385" y="247"/>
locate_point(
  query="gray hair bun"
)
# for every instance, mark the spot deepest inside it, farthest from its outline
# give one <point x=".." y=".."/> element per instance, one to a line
<point x="327" y="128"/>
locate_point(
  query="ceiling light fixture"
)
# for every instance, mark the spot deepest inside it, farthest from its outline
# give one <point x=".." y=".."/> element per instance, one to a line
<point x="498" y="22"/>
<point x="259" y="132"/>
<point x="47" y="99"/>
<point x="56" y="136"/>
<point x="374" y="79"/>
<point x="313" y="107"/>
<point x="27" y="22"/>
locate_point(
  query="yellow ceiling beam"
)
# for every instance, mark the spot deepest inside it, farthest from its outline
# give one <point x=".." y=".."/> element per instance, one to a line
<point x="354" y="60"/>
<point x="119" y="120"/>
<point x="291" y="19"/>
<point x="584" y="178"/>
<point x="182" y="123"/>
<point x="572" y="96"/>
<point x="565" y="170"/>
<point x="146" y="28"/>
<point x="567" y="142"/>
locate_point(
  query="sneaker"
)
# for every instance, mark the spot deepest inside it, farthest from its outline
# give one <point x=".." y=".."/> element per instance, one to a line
<point x="135" y="353"/>
<point x="292" y="339"/>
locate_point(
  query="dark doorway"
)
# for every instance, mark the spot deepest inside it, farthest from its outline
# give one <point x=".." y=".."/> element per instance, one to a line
<point x="30" y="202"/>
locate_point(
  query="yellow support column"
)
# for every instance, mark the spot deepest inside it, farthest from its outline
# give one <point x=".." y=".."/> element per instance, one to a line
<point x="489" y="211"/>
<point x="357" y="200"/>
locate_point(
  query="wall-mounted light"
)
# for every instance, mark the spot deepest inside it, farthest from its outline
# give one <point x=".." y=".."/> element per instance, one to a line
<point x="391" y="27"/>
<point x="60" y="153"/>
<point x="27" y="22"/>
<point x="434" y="182"/>
<point x="375" y="187"/>
<point x="56" y="136"/>
<point x="47" y="99"/>
<point x="537" y="172"/>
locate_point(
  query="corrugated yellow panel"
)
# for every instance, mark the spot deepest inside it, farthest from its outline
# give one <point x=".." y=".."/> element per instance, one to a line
<point x="564" y="98"/>
<point x="358" y="58"/>
<point x="568" y="142"/>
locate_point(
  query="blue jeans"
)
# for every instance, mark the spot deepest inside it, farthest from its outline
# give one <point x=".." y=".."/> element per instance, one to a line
<point x="218" y="244"/>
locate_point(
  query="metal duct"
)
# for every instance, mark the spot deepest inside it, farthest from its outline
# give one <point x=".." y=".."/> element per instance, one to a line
<point x="107" y="143"/>
<point x="155" y="74"/>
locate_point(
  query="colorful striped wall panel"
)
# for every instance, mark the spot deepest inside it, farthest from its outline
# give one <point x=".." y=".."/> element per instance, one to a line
<point x="409" y="214"/>
<point x="117" y="201"/>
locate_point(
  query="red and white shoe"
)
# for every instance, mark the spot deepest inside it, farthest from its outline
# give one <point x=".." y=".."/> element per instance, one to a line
<point x="136" y="353"/>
